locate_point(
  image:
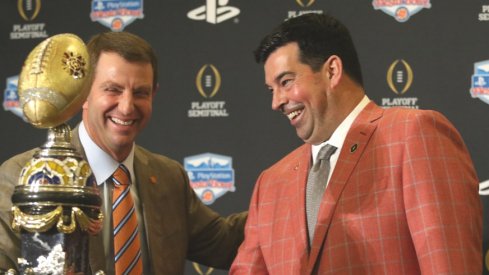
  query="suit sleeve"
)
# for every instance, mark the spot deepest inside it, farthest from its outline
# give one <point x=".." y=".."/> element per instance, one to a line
<point x="441" y="197"/>
<point x="9" y="241"/>
<point x="214" y="240"/>
<point x="250" y="258"/>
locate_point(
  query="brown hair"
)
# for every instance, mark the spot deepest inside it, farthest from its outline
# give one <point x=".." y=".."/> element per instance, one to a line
<point x="130" y="46"/>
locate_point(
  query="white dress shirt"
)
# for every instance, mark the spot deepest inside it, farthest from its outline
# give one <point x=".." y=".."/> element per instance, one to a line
<point x="339" y="135"/>
<point x="103" y="166"/>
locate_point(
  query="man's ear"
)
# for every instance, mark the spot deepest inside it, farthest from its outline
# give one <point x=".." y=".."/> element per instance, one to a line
<point x="333" y="69"/>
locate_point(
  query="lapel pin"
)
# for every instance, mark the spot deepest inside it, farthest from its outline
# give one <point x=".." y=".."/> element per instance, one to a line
<point x="353" y="148"/>
<point x="152" y="179"/>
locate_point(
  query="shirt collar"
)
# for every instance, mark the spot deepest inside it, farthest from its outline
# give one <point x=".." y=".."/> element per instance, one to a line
<point x="101" y="163"/>
<point x="339" y="135"/>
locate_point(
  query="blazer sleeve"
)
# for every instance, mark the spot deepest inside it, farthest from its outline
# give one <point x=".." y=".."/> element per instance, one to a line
<point x="441" y="197"/>
<point x="213" y="240"/>
<point x="9" y="240"/>
<point x="250" y="259"/>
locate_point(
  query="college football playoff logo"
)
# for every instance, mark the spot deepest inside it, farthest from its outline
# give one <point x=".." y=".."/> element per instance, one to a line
<point x="208" y="81"/>
<point x="28" y="9"/>
<point x="399" y="76"/>
<point x="305" y="3"/>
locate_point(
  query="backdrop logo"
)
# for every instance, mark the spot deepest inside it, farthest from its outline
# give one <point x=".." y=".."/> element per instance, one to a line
<point x="11" y="100"/>
<point x="401" y="10"/>
<point x="211" y="175"/>
<point x="214" y="12"/>
<point x="484" y="14"/>
<point x="200" y="271"/>
<point x="400" y="78"/>
<point x="484" y="188"/>
<point x="480" y="81"/>
<point x="116" y="14"/>
<point x="28" y="9"/>
<point x="304" y="3"/>
<point x="208" y="83"/>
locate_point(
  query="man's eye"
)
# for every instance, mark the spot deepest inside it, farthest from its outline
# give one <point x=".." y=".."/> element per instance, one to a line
<point x="113" y="89"/>
<point x="142" y="93"/>
<point x="285" y="82"/>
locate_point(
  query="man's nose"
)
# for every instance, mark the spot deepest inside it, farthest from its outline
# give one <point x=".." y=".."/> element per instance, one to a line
<point x="126" y="102"/>
<point x="278" y="99"/>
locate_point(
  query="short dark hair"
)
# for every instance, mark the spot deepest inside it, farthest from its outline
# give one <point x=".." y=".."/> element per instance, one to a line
<point x="319" y="36"/>
<point x="130" y="46"/>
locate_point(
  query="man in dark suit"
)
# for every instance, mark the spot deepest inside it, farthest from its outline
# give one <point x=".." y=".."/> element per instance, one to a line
<point x="402" y="193"/>
<point x="173" y="224"/>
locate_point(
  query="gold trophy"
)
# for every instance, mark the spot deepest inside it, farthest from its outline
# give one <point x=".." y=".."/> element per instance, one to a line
<point x="56" y="204"/>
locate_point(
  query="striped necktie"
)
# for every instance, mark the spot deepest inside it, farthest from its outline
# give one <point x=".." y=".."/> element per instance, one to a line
<point x="127" y="247"/>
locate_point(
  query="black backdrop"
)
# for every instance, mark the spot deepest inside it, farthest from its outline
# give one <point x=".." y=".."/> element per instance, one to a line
<point x="212" y="105"/>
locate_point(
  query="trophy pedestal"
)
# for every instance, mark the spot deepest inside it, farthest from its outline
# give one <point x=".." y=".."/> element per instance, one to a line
<point x="56" y="206"/>
<point x="53" y="252"/>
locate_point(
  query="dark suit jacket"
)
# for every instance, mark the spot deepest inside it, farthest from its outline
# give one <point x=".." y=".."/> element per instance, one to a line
<point x="403" y="199"/>
<point x="178" y="225"/>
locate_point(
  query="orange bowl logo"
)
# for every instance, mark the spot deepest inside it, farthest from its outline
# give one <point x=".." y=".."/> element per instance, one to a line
<point x="401" y="10"/>
<point x="402" y="14"/>
<point x="207" y="196"/>
<point x="208" y="81"/>
<point x="117" y="24"/>
<point x="28" y="9"/>
<point x="399" y="76"/>
<point x="480" y="81"/>
<point x="116" y="14"/>
<point x="210" y="175"/>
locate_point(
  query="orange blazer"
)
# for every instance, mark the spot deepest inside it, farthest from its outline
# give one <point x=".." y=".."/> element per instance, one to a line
<point x="403" y="199"/>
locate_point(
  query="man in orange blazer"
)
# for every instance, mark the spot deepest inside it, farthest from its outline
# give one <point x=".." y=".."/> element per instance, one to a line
<point x="402" y="194"/>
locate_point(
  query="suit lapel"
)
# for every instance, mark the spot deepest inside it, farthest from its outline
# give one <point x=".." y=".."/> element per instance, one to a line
<point x="299" y="171"/>
<point x="355" y="143"/>
<point x="143" y="174"/>
<point x="151" y="185"/>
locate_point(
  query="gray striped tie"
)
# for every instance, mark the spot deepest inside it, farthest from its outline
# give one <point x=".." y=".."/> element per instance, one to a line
<point x="316" y="184"/>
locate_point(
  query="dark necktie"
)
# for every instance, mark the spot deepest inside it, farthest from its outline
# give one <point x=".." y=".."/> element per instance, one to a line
<point x="316" y="184"/>
<point x="127" y="247"/>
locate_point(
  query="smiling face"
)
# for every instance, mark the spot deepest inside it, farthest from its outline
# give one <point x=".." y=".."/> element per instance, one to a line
<point x="119" y="104"/>
<point x="300" y="93"/>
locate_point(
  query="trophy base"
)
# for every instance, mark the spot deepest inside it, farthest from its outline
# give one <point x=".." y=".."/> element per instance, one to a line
<point x="53" y="252"/>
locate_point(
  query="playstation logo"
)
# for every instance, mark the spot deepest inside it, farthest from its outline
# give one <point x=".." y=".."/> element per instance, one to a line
<point x="480" y="81"/>
<point x="214" y="12"/>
